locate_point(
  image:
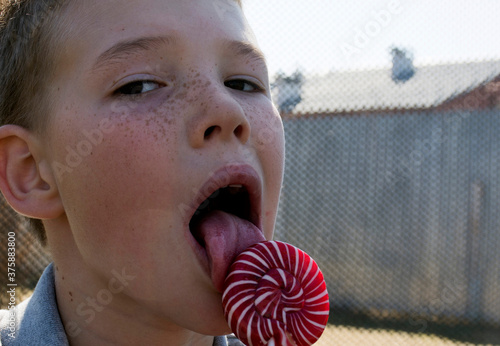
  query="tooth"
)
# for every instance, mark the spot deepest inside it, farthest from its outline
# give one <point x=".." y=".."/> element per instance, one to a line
<point x="233" y="189"/>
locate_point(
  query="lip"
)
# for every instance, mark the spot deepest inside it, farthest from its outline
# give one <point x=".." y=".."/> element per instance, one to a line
<point x="233" y="174"/>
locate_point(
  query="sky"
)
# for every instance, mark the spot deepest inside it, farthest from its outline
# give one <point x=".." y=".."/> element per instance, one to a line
<point x="329" y="35"/>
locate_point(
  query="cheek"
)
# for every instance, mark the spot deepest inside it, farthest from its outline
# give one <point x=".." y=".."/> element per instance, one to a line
<point x="268" y="140"/>
<point x="269" y="144"/>
<point x="267" y="127"/>
<point x="117" y="168"/>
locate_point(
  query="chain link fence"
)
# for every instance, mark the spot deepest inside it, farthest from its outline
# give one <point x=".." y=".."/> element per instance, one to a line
<point x="391" y="178"/>
<point x="403" y="222"/>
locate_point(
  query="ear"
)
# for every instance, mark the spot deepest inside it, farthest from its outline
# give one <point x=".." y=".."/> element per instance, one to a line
<point x="25" y="175"/>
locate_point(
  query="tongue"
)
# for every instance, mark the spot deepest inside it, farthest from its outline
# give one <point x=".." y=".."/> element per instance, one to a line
<point x="225" y="236"/>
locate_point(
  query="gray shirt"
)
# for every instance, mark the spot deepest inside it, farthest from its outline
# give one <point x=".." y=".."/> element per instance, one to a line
<point x="37" y="322"/>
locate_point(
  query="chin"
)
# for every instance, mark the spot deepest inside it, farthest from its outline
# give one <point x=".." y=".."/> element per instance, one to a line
<point x="215" y="328"/>
<point x="224" y="330"/>
<point x="211" y="323"/>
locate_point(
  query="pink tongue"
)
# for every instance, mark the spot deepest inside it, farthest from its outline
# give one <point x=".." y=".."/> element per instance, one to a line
<point x="226" y="236"/>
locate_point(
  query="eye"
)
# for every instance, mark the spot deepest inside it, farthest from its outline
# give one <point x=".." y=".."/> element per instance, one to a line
<point x="243" y="85"/>
<point x="138" y="87"/>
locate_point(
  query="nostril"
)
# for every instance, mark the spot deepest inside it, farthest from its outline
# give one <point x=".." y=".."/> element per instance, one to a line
<point x="209" y="131"/>
<point x="238" y="131"/>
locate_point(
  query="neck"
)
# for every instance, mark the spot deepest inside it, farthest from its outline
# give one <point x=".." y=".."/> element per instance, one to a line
<point x="95" y="311"/>
<point x="88" y="320"/>
<point x="96" y="308"/>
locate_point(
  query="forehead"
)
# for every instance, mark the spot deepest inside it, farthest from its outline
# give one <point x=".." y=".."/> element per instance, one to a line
<point x="105" y="21"/>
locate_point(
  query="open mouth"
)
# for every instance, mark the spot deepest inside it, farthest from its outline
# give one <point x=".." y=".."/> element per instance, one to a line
<point x="226" y="219"/>
<point x="232" y="199"/>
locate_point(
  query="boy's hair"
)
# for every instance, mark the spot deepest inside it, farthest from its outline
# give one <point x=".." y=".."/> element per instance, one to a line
<point x="26" y="65"/>
<point x="28" y="37"/>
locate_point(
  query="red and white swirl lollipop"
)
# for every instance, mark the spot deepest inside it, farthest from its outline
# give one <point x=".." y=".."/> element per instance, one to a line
<point x="275" y="294"/>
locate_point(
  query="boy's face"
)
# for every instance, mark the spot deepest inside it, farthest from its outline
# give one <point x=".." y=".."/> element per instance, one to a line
<point x="157" y="105"/>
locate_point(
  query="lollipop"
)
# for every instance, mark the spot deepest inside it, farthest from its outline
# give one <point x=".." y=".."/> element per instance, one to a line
<point x="275" y="294"/>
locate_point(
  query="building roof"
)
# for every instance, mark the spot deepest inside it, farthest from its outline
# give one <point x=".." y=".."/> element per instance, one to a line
<point x="372" y="90"/>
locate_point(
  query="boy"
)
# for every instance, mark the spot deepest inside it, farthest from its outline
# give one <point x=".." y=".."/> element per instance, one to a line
<point x="143" y="135"/>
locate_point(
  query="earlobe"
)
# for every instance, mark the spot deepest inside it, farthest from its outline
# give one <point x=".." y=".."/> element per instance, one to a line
<point x="25" y="178"/>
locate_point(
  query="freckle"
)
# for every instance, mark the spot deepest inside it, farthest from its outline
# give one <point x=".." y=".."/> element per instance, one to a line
<point x="181" y="95"/>
<point x="71" y="299"/>
<point x="63" y="277"/>
<point x="71" y="294"/>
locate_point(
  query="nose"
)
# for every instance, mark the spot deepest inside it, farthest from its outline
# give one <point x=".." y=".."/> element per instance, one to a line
<point x="217" y="116"/>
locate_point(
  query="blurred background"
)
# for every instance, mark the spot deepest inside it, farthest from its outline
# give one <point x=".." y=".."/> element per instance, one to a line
<point x="391" y="111"/>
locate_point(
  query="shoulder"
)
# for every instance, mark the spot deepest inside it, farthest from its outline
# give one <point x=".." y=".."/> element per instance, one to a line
<point x="228" y="340"/>
<point x="10" y="320"/>
<point x="220" y="341"/>
<point x="233" y="341"/>
<point x="36" y="321"/>
<point x="7" y="325"/>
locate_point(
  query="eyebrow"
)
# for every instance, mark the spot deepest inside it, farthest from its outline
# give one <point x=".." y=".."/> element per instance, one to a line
<point x="245" y="49"/>
<point x="124" y="49"/>
<point x="127" y="48"/>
